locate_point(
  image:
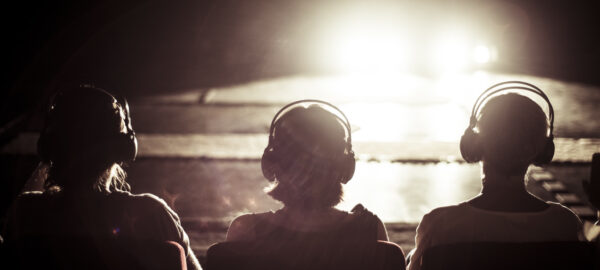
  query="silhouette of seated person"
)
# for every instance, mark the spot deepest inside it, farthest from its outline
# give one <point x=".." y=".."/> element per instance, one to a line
<point x="510" y="133"/>
<point x="308" y="159"/>
<point x="86" y="138"/>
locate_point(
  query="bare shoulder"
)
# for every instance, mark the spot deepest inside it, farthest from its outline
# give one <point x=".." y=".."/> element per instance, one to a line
<point x="143" y="201"/>
<point x="148" y="207"/>
<point x="381" y="231"/>
<point x="445" y="211"/>
<point x="561" y="211"/>
<point x="242" y="227"/>
<point x="245" y="220"/>
<point x="359" y="211"/>
<point x="142" y="198"/>
<point x="431" y="220"/>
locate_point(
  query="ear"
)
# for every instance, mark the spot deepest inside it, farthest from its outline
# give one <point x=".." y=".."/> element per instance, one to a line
<point x="531" y="152"/>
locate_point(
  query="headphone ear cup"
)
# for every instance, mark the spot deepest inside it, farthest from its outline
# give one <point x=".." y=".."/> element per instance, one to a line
<point x="547" y="153"/>
<point x="131" y="147"/>
<point x="125" y="148"/>
<point x="127" y="145"/>
<point x="348" y="167"/>
<point x="268" y="164"/>
<point x="470" y="148"/>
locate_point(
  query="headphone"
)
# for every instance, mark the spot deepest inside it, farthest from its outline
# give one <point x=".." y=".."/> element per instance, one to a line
<point x="470" y="148"/>
<point x="123" y="146"/>
<point x="271" y="156"/>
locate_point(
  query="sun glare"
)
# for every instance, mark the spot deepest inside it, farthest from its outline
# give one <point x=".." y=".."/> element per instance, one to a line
<point x="450" y="53"/>
<point x="482" y="54"/>
<point x="373" y="45"/>
<point x="367" y="49"/>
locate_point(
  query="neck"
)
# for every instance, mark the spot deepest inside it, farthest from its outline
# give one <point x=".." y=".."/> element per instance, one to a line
<point x="495" y="181"/>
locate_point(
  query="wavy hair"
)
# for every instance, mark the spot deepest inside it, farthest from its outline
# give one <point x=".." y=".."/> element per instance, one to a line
<point x="111" y="179"/>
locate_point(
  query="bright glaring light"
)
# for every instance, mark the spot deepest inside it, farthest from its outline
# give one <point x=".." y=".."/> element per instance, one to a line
<point x="368" y="48"/>
<point x="482" y="54"/>
<point x="451" y="53"/>
<point x="363" y="53"/>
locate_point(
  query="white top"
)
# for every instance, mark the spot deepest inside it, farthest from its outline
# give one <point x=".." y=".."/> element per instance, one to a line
<point x="464" y="223"/>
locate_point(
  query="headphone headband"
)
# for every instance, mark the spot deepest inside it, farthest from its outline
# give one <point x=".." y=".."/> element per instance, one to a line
<point x="345" y="164"/>
<point x="344" y="120"/>
<point x="520" y="86"/>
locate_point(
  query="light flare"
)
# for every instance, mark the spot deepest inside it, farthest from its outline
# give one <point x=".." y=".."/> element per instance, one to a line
<point x="482" y="54"/>
<point x="450" y="53"/>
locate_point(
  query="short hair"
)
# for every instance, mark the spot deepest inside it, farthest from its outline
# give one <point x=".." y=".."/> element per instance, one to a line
<point x="510" y="125"/>
<point x="308" y="142"/>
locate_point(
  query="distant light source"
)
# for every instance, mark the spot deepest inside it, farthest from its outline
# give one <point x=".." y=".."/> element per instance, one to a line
<point x="371" y="45"/>
<point x="370" y="51"/>
<point x="450" y="53"/>
<point x="482" y="54"/>
<point x="365" y="44"/>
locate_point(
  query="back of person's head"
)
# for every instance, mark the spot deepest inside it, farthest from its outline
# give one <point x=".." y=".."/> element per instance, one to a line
<point x="311" y="157"/>
<point x="513" y="131"/>
<point x="86" y="135"/>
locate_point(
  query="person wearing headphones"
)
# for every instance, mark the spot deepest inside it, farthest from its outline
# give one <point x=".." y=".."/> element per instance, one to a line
<point x="86" y="138"/>
<point x="308" y="159"/>
<point x="508" y="134"/>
